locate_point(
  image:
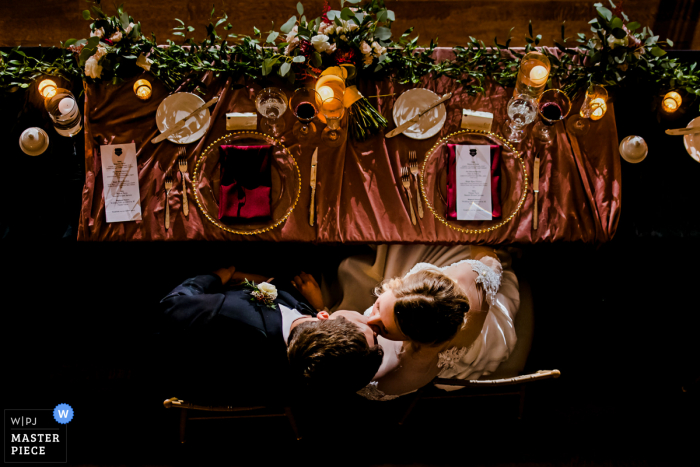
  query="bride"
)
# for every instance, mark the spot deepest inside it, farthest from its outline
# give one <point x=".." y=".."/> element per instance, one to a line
<point x="470" y="279"/>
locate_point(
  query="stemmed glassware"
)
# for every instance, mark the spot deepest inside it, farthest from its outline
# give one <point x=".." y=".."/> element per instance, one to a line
<point x="304" y="106"/>
<point x="554" y="105"/>
<point x="593" y="107"/>
<point x="522" y="111"/>
<point x="272" y="104"/>
<point x="333" y="110"/>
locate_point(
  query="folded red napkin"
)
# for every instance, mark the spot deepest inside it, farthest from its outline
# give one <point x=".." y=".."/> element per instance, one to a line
<point x="245" y="181"/>
<point x="452" y="181"/>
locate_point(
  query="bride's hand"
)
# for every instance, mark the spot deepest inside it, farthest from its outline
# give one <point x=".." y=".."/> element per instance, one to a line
<point x="308" y="287"/>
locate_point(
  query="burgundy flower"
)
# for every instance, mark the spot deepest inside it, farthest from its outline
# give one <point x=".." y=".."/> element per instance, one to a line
<point x="326" y="9"/>
<point x="345" y="56"/>
<point x="108" y="41"/>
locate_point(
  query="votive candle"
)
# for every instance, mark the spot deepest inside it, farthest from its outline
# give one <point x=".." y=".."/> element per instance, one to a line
<point x="599" y="108"/>
<point x="539" y="75"/>
<point x="48" y="88"/>
<point x="143" y="89"/>
<point x="672" y="101"/>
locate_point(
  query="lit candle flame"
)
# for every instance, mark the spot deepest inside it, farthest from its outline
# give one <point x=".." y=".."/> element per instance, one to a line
<point x="48" y="88"/>
<point x="538" y="75"/>
<point x="599" y="108"/>
<point x="142" y="88"/>
<point x="325" y="92"/>
<point x="672" y="101"/>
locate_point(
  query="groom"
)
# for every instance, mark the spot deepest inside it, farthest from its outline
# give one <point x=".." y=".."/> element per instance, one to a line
<point x="228" y="344"/>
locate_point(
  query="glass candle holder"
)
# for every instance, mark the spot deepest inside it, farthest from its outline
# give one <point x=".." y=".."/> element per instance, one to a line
<point x="532" y="75"/>
<point x="64" y="112"/>
<point x="672" y="102"/>
<point x="333" y="110"/>
<point x="143" y="89"/>
<point x="594" y="108"/>
<point x="329" y="86"/>
<point x="48" y="88"/>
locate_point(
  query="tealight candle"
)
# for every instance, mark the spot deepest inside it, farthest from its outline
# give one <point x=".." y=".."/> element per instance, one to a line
<point x="672" y="101"/>
<point x="599" y="108"/>
<point x="325" y="92"/>
<point x="48" y="88"/>
<point x="143" y="89"/>
<point x="538" y="75"/>
<point x="66" y="105"/>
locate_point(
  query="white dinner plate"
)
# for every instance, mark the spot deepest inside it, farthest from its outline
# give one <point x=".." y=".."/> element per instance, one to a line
<point x="178" y="106"/>
<point x="692" y="142"/>
<point x="411" y="103"/>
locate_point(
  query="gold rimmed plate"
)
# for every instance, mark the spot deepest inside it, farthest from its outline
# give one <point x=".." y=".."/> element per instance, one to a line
<point x="513" y="180"/>
<point x="284" y="193"/>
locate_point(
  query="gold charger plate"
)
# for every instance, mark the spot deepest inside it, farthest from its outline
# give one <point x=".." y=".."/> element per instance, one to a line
<point x="284" y="193"/>
<point x="434" y="180"/>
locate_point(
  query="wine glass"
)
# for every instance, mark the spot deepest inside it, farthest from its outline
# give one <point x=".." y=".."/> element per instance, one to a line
<point x="554" y="105"/>
<point x="272" y="104"/>
<point x="522" y="111"/>
<point x="333" y="110"/>
<point x="593" y="106"/>
<point x="304" y="106"/>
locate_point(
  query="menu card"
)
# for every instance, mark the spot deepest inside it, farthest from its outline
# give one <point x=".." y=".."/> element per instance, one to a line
<point x="120" y="177"/>
<point x="473" y="182"/>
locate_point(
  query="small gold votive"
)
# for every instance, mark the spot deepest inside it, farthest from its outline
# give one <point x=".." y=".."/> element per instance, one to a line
<point x="672" y="102"/>
<point x="599" y="108"/>
<point x="48" y="88"/>
<point x="143" y="89"/>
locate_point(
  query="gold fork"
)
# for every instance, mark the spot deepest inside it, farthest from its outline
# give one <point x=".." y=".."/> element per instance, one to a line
<point x="413" y="164"/>
<point x="182" y="165"/>
<point x="168" y="187"/>
<point x="406" y="180"/>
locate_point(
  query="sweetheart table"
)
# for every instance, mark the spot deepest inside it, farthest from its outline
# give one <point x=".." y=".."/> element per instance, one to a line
<point x="359" y="196"/>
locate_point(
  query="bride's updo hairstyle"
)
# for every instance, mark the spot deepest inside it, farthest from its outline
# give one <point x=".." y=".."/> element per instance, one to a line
<point x="430" y="307"/>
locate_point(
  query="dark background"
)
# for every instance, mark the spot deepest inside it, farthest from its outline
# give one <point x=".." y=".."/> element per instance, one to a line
<point x="619" y="320"/>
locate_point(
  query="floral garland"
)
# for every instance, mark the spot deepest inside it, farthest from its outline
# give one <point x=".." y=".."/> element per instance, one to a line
<point x="618" y="53"/>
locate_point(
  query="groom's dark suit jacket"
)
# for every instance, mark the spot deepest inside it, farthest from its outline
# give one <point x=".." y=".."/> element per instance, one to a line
<point x="223" y="347"/>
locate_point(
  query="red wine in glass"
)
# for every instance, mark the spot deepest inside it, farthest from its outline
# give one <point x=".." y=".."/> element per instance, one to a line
<point x="551" y="112"/>
<point x="305" y="111"/>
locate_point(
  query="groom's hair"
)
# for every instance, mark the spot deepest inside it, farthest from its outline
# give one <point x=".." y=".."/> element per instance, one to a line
<point x="332" y="355"/>
<point x="430" y="307"/>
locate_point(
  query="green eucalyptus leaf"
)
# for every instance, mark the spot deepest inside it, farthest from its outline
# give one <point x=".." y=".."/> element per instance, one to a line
<point x="658" y="51"/>
<point x="317" y="60"/>
<point x="86" y="15"/>
<point x="669" y="42"/>
<point x="299" y="59"/>
<point x="381" y="16"/>
<point x="619" y="33"/>
<point x="382" y="33"/>
<point x="284" y="69"/>
<point x="604" y="13"/>
<point x="390" y="15"/>
<point x="333" y="14"/>
<point x="256" y="31"/>
<point x="300" y="8"/>
<point x="286" y="27"/>
<point x="271" y="37"/>
<point x="633" y="26"/>
<point x="346" y="14"/>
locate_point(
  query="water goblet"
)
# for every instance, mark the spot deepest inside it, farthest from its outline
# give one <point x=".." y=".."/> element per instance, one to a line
<point x="333" y="110"/>
<point x="272" y="104"/>
<point x="522" y="111"/>
<point x="304" y="104"/>
<point x="554" y="105"/>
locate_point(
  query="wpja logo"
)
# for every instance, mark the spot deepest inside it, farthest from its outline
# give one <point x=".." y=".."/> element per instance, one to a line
<point x="37" y="435"/>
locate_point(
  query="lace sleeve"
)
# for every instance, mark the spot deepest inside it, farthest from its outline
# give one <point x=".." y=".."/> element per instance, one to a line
<point x="373" y="393"/>
<point x="489" y="278"/>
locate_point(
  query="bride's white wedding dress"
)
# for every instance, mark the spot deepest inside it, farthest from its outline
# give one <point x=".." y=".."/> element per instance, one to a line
<point x="498" y="288"/>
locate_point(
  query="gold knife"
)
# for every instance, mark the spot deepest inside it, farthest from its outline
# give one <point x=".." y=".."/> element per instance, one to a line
<point x="683" y="131"/>
<point x="314" y="160"/>
<point x="181" y="123"/>
<point x="409" y="123"/>
<point x="536" y="188"/>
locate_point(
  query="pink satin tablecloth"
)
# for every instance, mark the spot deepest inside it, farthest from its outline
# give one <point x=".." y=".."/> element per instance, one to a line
<point x="359" y="198"/>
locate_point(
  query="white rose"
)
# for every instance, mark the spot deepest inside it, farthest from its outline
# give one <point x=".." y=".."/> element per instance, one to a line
<point x="101" y="52"/>
<point x="116" y="37"/>
<point x="326" y="29"/>
<point x="292" y="35"/>
<point x="144" y="62"/>
<point x="352" y="26"/>
<point x="98" y="32"/>
<point x="92" y="68"/>
<point x="320" y="43"/>
<point x="365" y="48"/>
<point x="268" y="289"/>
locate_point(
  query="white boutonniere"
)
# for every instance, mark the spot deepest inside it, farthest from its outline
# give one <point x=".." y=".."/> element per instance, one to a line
<point x="264" y="292"/>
